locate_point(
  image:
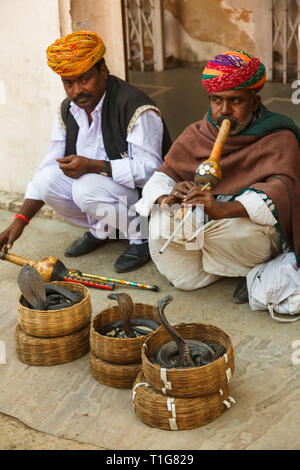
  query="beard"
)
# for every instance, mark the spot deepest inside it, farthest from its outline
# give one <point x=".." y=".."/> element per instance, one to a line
<point x="236" y="126"/>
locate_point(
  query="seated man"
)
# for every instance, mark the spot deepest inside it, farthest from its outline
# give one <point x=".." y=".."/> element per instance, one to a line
<point x="107" y="140"/>
<point x="253" y="213"/>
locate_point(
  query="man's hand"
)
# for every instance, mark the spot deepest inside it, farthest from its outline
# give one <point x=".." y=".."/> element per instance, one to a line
<point x="29" y="208"/>
<point x="11" y="234"/>
<point x="75" y="166"/>
<point x="215" y="210"/>
<point x="179" y="191"/>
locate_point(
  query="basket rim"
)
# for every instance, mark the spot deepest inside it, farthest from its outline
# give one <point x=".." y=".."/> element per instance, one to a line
<point x="109" y="338"/>
<point x="84" y="289"/>
<point x="184" y="370"/>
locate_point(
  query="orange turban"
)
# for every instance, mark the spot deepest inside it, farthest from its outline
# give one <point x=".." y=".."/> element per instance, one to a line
<point x="75" y="53"/>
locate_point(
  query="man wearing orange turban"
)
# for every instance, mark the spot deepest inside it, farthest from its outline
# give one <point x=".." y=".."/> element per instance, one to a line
<point x="254" y="211"/>
<point x="76" y="53"/>
<point x="107" y="140"/>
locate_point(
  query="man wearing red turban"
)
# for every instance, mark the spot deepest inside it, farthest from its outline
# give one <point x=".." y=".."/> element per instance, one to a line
<point x="107" y="140"/>
<point x="254" y="212"/>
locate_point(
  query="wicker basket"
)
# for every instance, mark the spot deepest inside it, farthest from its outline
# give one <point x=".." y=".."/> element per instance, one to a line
<point x="51" y="351"/>
<point x="114" y="375"/>
<point x="119" y="350"/>
<point x="194" y="381"/>
<point x="54" y="323"/>
<point x="159" y="411"/>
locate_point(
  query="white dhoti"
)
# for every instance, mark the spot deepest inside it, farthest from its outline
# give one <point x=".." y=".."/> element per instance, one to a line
<point x="228" y="247"/>
<point x="92" y="201"/>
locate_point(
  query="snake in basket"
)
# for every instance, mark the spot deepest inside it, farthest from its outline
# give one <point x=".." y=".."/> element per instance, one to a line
<point x="40" y="296"/>
<point x="128" y="327"/>
<point x="183" y="353"/>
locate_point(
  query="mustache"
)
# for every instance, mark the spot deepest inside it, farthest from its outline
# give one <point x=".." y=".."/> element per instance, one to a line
<point x="232" y="119"/>
<point x="82" y="95"/>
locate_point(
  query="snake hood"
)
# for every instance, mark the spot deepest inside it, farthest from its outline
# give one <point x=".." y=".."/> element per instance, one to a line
<point x="182" y="353"/>
<point x="32" y="287"/>
<point x="40" y="296"/>
<point x="185" y="359"/>
<point x="129" y="326"/>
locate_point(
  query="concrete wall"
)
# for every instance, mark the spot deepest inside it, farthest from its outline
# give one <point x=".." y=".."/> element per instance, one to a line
<point x="105" y="18"/>
<point x="196" y="30"/>
<point x="31" y="91"/>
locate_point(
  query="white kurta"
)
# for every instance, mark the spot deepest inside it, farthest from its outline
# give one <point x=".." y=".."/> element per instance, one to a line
<point x="161" y="184"/>
<point x="201" y="254"/>
<point x="86" y="200"/>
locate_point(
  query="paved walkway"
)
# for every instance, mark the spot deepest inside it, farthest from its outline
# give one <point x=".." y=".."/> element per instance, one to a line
<point x="66" y="401"/>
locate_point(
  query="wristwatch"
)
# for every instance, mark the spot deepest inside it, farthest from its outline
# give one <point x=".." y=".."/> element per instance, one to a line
<point x="105" y="171"/>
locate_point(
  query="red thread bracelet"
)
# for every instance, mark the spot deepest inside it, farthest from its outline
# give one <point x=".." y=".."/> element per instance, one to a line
<point x="22" y="217"/>
<point x="162" y="202"/>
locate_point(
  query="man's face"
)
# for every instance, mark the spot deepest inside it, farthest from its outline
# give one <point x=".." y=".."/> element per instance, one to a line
<point x="87" y="89"/>
<point x="236" y="105"/>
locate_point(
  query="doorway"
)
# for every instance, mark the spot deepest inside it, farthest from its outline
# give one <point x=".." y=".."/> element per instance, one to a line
<point x="285" y="40"/>
<point x="144" y="34"/>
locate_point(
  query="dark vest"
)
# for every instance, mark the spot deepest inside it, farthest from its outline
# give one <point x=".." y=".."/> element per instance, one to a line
<point x="122" y="105"/>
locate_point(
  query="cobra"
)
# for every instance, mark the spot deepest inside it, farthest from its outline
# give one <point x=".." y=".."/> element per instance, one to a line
<point x="128" y="327"/>
<point x="40" y="296"/>
<point x="182" y="353"/>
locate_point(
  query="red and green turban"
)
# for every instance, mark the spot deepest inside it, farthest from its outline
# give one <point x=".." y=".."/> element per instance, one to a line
<point x="233" y="70"/>
<point x="76" y="53"/>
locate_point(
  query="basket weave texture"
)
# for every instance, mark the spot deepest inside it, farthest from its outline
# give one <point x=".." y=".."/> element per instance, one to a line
<point x="194" y="381"/>
<point x="159" y="411"/>
<point x="54" y="323"/>
<point x="119" y="350"/>
<point x="51" y="351"/>
<point x="114" y="375"/>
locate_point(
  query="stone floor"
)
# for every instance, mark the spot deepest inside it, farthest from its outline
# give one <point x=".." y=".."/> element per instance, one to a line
<point x="66" y="402"/>
<point x="64" y="407"/>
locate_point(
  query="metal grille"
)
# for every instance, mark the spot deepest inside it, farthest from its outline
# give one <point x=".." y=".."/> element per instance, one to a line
<point x="286" y="39"/>
<point x="144" y="34"/>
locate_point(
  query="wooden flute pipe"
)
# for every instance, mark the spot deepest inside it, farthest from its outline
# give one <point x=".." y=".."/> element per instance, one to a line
<point x="207" y="175"/>
<point x="220" y="140"/>
<point x="210" y="171"/>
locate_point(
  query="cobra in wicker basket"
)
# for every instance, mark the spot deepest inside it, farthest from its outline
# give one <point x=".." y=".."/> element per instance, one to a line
<point x="114" y="375"/>
<point x="54" y="323"/>
<point x="119" y="350"/>
<point x="192" y="381"/>
<point x="159" y="411"/>
<point x="51" y="351"/>
<point x="199" y="361"/>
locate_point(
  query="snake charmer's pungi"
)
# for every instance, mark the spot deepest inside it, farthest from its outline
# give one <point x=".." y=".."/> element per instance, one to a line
<point x="107" y="139"/>
<point x="254" y="212"/>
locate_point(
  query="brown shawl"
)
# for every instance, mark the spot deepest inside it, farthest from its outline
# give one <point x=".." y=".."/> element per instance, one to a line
<point x="268" y="163"/>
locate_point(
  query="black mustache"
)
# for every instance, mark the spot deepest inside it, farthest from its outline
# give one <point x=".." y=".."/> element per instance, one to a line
<point x="233" y="120"/>
<point x="82" y="95"/>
